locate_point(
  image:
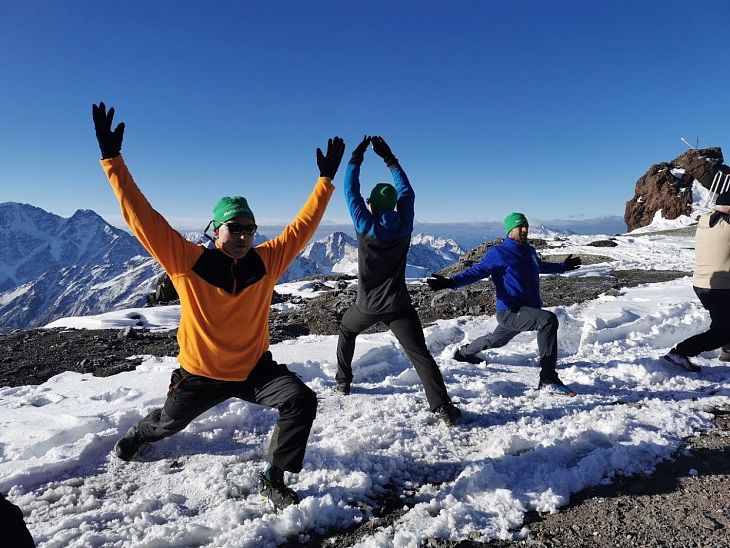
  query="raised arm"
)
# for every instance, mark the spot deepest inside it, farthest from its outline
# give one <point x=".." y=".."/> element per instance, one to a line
<point x="406" y="195"/>
<point x="361" y="216"/>
<point x="294" y="237"/>
<point x="164" y="243"/>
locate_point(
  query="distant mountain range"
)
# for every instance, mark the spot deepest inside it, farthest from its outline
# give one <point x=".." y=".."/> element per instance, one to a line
<point x="337" y="254"/>
<point x="52" y="267"/>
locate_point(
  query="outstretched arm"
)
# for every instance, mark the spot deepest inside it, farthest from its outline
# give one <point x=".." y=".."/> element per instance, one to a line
<point x="296" y="234"/>
<point x="490" y="264"/>
<point x="483" y="269"/>
<point x="164" y="243"/>
<point x="570" y="263"/>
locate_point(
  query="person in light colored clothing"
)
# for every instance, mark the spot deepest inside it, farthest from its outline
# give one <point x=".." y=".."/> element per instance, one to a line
<point x="711" y="283"/>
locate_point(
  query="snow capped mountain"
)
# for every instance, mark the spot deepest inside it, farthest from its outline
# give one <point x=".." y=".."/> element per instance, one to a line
<point x="52" y="267"/>
<point x="337" y="252"/>
<point x="429" y="254"/>
<point x="545" y="232"/>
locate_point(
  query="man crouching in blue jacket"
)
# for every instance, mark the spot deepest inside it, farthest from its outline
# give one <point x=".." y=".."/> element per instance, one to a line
<point x="383" y="239"/>
<point x="515" y="270"/>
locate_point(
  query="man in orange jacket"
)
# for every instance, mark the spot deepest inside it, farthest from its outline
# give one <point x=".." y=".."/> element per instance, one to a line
<point x="225" y="294"/>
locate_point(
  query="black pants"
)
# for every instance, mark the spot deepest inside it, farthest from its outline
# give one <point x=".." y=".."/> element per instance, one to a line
<point x="406" y="326"/>
<point x="269" y="384"/>
<point x="527" y="318"/>
<point x="717" y="303"/>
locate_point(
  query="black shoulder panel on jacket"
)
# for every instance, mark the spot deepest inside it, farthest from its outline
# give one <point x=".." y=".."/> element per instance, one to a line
<point x="220" y="270"/>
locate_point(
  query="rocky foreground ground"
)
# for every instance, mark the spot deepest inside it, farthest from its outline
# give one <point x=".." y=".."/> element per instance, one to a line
<point x="685" y="503"/>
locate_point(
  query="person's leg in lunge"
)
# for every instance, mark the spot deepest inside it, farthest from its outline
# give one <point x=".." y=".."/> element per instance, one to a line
<point x="406" y="326"/>
<point x="273" y="385"/>
<point x="717" y="303"/>
<point x="188" y="397"/>
<point x="352" y="324"/>
<point x="496" y="339"/>
<point x="546" y="324"/>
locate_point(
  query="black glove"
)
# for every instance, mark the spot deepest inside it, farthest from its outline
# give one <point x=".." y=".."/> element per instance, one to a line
<point x="328" y="164"/>
<point x="110" y="142"/>
<point x="382" y="149"/>
<point x="358" y="155"/>
<point x="572" y="263"/>
<point x="437" y="282"/>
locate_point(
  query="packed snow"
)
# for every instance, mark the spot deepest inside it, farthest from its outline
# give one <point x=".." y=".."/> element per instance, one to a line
<point x="517" y="450"/>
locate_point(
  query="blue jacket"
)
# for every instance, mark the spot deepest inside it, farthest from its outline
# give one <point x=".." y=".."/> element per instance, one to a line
<point x="382" y="244"/>
<point x="515" y="270"/>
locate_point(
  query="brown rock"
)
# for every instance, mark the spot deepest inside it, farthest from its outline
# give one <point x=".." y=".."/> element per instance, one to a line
<point x="701" y="164"/>
<point x="659" y="188"/>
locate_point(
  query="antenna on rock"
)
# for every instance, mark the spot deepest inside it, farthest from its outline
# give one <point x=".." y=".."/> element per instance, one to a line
<point x="686" y="143"/>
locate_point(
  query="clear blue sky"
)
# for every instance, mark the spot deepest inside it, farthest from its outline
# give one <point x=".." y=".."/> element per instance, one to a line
<point x="551" y="108"/>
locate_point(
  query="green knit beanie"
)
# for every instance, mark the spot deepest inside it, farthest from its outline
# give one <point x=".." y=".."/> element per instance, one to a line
<point x="230" y="207"/>
<point x="383" y="197"/>
<point x="514" y="219"/>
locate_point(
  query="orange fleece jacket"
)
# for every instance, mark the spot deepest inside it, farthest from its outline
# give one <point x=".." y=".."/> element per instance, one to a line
<point x="221" y="336"/>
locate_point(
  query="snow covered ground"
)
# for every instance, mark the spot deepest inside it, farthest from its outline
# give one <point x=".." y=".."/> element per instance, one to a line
<point x="517" y="450"/>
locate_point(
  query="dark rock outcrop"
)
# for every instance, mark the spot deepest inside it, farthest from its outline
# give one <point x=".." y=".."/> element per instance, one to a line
<point x="664" y="187"/>
<point x="702" y="164"/>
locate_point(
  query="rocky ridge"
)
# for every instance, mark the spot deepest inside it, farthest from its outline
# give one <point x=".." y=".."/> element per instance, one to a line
<point x="667" y="186"/>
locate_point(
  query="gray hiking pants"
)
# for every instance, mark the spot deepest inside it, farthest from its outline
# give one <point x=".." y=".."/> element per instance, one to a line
<point x="270" y="384"/>
<point x="512" y="323"/>
<point x="406" y="326"/>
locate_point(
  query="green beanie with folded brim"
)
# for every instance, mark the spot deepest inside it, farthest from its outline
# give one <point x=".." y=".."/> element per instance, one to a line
<point x="231" y="207"/>
<point x="383" y="197"/>
<point x="513" y="220"/>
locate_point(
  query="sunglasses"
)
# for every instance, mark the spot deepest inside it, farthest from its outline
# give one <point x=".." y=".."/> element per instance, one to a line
<point x="239" y="228"/>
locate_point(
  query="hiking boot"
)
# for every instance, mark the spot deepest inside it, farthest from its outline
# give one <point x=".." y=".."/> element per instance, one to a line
<point x="276" y="492"/>
<point x="725" y="355"/>
<point x="129" y="446"/>
<point x="675" y="358"/>
<point x="459" y="356"/>
<point x="449" y="413"/>
<point x="551" y="383"/>
<point x="343" y="388"/>
<point x="555" y="386"/>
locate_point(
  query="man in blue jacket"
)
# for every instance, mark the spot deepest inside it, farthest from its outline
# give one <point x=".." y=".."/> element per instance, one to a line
<point x="383" y="239"/>
<point x="515" y="270"/>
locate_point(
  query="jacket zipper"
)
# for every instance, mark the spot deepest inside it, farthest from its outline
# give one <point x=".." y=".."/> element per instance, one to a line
<point x="233" y="275"/>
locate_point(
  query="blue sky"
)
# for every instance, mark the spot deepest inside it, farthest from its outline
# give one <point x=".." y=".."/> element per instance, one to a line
<point x="551" y="108"/>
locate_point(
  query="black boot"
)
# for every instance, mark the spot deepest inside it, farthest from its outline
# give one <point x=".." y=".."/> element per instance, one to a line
<point x="449" y="413"/>
<point x="271" y="486"/>
<point x="343" y="388"/>
<point x="129" y="446"/>
<point x="550" y="382"/>
<point x="459" y="356"/>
